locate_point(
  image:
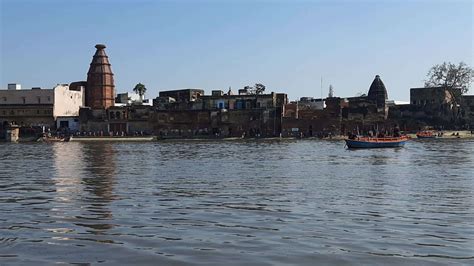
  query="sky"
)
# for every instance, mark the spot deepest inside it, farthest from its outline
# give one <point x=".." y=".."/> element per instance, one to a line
<point x="289" y="46"/>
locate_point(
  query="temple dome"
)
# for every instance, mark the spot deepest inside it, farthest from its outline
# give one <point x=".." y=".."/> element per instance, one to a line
<point x="378" y="92"/>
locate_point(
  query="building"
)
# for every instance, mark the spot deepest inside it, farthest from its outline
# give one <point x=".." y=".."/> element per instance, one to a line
<point x="429" y="107"/>
<point x="309" y="103"/>
<point x="127" y="98"/>
<point x="334" y="115"/>
<point x="431" y="97"/>
<point x="51" y="108"/>
<point x="100" y="90"/>
<point x="467" y="110"/>
<point x="219" y="114"/>
<point x="183" y="95"/>
<point x="106" y="114"/>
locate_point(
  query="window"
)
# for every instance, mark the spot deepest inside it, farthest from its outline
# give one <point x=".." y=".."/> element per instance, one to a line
<point x="24" y="100"/>
<point x="49" y="99"/>
<point x="39" y="99"/>
<point x="4" y="99"/>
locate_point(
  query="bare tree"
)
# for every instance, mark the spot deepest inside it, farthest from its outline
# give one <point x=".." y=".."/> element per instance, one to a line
<point x="456" y="78"/>
<point x="259" y="88"/>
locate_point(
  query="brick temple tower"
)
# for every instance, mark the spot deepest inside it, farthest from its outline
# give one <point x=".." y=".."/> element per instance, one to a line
<point x="100" y="91"/>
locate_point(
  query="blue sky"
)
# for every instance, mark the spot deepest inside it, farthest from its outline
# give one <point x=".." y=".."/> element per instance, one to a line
<point x="286" y="45"/>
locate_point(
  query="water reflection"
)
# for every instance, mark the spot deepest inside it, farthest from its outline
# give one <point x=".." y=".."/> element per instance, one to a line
<point x="84" y="178"/>
<point x="69" y="165"/>
<point x="98" y="181"/>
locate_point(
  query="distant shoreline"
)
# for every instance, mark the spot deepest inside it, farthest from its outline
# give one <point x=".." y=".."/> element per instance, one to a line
<point x="451" y="134"/>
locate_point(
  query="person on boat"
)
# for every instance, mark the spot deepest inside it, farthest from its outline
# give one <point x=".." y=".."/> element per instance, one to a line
<point x="396" y="132"/>
<point x="351" y="135"/>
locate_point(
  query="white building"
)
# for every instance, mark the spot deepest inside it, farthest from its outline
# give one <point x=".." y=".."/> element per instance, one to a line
<point x="127" y="98"/>
<point x="57" y="107"/>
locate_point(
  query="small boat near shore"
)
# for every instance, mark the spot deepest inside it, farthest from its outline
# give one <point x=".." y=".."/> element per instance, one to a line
<point x="426" y="135"/>
<point x="376" y="142"/>
<point x="50" y="139"/>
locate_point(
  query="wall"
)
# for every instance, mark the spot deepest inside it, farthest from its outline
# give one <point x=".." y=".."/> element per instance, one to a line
<point x="67" y="102"/>
<point x="429" y="96"/>
<point x="73" y="122"/>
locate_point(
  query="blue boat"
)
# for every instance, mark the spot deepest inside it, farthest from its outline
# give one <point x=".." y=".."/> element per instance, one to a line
<point x="368" y="142"/>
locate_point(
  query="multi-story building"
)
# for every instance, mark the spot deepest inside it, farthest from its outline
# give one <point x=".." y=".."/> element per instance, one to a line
<point x="219" y="114"/>
<point x="51" y="108"/>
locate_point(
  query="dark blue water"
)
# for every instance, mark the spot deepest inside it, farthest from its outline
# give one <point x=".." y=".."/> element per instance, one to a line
<point x="302" y="202"/>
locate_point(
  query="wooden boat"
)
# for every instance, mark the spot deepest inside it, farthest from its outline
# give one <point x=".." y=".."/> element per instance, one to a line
<point x="53" y="139"/>
<point x="425" y="135"/>
<point x="379" y="142"/>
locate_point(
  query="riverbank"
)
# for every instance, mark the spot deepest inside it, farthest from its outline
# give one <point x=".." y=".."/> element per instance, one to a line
<point x="451" y="134"/>
<point x="464" y="134"/>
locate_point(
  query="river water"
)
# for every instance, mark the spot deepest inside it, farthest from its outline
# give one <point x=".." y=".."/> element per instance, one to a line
<point x="264" y="202"/>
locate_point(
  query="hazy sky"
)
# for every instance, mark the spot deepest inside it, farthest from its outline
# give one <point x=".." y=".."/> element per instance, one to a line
<point x="286" y="45"/>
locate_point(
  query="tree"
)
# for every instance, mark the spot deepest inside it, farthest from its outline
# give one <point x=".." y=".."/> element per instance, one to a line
<point x="456" y="78"/>
<point x="259" y="88"/>
<point x="140" y="89"/>
<point x="331" y="91"/>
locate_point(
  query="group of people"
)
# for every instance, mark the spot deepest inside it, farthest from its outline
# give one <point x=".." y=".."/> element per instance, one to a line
<point x="376" y="133"/>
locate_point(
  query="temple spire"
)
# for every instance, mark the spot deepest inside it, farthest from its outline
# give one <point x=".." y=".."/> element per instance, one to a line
<point x="100" y="92"/>
<point x="378" y="92"/>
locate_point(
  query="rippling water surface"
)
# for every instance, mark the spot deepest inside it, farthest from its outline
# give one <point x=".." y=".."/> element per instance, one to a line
<point x="237" y="202"/>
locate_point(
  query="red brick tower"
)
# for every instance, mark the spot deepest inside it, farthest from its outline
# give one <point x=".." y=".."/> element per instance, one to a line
<point x="100" y="91"/>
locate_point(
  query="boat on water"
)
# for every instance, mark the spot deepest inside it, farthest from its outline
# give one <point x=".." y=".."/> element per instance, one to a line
<point x="376" y="142"/>
<point x="49" y="139"/>
<point x="426" y="135"/>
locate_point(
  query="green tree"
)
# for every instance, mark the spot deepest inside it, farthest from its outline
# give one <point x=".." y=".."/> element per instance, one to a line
<point x="140" y="89"/>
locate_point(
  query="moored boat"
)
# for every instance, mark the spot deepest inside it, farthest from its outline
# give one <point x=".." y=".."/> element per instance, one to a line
<point x="376" y="142"/>
<point x="426" y="135"/>
<point x="53" y="139"/>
